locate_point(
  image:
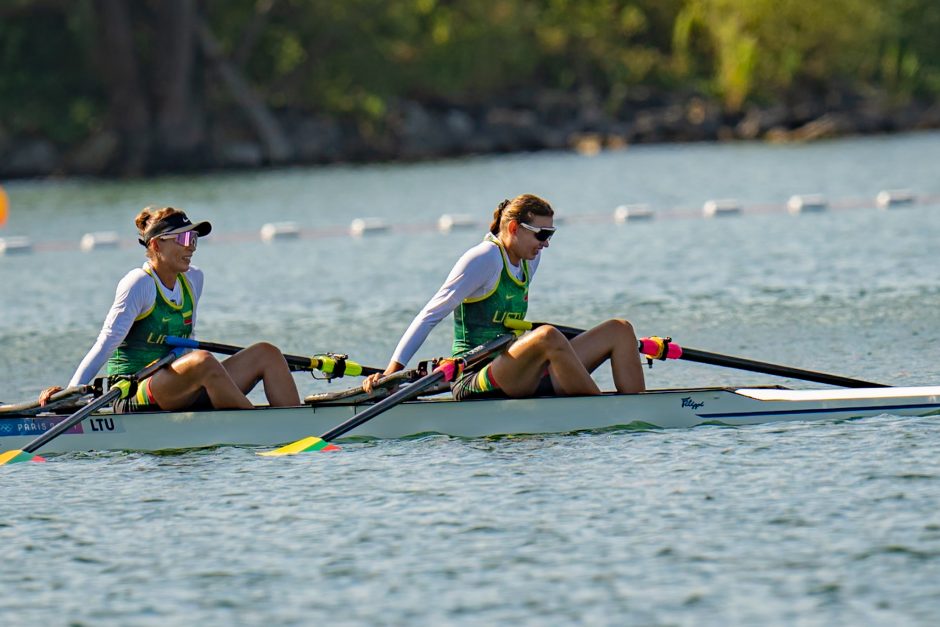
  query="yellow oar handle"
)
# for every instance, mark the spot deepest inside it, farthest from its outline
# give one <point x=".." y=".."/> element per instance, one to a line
<point x="331" y="365"/>
<point x="520" y="326"/>
<point x="124" y="386"/>
<point x="517" y="325"/>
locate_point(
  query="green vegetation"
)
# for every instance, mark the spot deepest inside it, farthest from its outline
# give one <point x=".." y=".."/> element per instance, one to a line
<point x="355" y="57"/>
<point x="47" y="83"/>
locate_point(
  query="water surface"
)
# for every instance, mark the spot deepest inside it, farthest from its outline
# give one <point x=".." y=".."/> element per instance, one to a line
<point x="810" y="523"/>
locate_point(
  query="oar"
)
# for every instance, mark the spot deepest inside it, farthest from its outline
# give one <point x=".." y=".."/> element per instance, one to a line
<point x="118" y="390"/>
<point x="445" y="371"/>
<point x="330" y="364"/>
<point x="59" y="398"/>
<point x="654" y="347"/>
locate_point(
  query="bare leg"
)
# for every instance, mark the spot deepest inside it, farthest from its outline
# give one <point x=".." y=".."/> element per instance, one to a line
<point x="519" y="370"/>
<point x="614" y="340"/>
<point x="178" y="385"/>
<point x="264" y="362"/>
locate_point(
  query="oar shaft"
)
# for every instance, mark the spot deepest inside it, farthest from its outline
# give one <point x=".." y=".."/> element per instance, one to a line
<point x="111" y="395"/>
<point x="400" y="396"/>
<point x="297" y="362"/>
<point x="741" y="363"/>
<point x="74" y="419"/>
<point x="728" y="361"/>
<point x="54" y="400"/>
<point x="415" y="389"/>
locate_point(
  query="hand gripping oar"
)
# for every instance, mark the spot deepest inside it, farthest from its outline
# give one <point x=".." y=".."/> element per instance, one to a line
<point x="447" y="371"/>
<point x="655" y="347"/>
<point x="62" y="397"/>
<point x="118" y="390"/>
<point x="333" y="365"/>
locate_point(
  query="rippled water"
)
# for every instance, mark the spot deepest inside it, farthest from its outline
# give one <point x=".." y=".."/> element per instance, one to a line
<point x="815" y="523"/>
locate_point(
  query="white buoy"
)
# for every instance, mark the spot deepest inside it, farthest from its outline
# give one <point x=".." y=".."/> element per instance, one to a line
<point x="890" y="198"/>
<point x="279" y="230"/>
<point x="455" y="222"/>
<point x="367" y="226"/>
<point x="721" y="208"/>
<point x="632" y="213"/>
<point x="807" y="203"/>
<point x="15" y="245"/>
<point x="100" y="239"/>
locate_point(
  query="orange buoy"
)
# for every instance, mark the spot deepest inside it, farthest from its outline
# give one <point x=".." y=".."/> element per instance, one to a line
<point x="4" y="205"/>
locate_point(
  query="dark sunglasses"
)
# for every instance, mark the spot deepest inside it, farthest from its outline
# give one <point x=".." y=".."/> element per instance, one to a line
<point x="187" y="238"/>
<point x="542" y="233"/>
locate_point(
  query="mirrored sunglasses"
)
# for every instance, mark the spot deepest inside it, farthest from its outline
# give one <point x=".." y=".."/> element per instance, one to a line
<point x="187" y="238"/>
<point x="542" y="233"/>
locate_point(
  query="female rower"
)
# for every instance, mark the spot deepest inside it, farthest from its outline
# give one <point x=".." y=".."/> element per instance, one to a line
<point x="159" y="300"/>
<point x="489" y="284"/>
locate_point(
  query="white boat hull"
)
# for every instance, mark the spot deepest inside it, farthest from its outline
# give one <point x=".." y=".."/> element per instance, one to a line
<point x="667" y="409"/>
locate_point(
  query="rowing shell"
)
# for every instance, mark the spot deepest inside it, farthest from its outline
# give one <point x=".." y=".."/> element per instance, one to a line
<point x="668" y="409"/>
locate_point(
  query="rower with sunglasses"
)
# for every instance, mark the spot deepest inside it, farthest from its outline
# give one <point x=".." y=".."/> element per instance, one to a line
<point x="489" y="284"/>
<point x="159" y="300"/>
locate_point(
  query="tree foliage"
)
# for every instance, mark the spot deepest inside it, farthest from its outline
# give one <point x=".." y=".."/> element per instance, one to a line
<point x="46" y="72"/>
<point x="358" y="57"/>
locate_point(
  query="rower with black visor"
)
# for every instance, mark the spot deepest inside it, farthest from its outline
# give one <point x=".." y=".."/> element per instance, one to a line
<point x="158" y="300"/>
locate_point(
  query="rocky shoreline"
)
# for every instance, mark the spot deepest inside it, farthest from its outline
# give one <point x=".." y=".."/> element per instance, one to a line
<point x="414" y="131"/>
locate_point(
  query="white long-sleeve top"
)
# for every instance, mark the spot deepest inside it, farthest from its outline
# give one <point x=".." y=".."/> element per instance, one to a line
<point x="474" y="275"/>
<point x="135" y="294"/>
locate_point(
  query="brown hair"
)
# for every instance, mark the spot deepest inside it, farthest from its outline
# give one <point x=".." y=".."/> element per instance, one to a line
<point x="521" y="208"/>
<point x="150" y="216"/>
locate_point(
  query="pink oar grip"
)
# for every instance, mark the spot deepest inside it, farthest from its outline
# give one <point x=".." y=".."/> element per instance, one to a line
<point x="450" y="368"/>
<point x="651" y="347"/>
